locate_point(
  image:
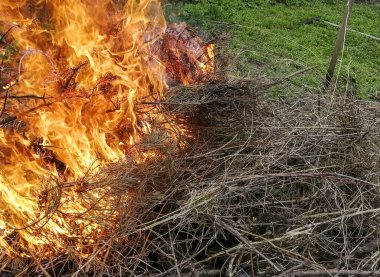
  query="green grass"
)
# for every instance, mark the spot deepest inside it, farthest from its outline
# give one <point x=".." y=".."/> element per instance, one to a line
<point x="269" y="37"/>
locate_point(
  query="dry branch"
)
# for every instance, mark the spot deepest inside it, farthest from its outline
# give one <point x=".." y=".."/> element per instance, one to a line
<point x="265" y="187"/>
<point x="334" y="272"/>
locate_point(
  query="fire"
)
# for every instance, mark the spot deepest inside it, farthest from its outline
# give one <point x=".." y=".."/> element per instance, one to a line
<point x="73" y="87"/>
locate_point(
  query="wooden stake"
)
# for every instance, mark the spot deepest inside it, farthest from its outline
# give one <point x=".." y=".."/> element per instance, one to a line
<point x="338" y="46"/>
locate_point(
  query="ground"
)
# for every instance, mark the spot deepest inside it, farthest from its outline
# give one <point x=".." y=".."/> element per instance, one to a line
<point x="277" y="37"/>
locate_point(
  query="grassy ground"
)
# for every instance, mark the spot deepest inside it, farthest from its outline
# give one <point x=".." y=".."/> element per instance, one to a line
<point x="271" y="37"/>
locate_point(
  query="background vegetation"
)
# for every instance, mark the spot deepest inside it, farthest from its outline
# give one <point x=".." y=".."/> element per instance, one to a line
<point x="276" y="37"/>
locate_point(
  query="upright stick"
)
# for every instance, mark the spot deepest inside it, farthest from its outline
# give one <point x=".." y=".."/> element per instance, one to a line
<point x="338" y="46"/>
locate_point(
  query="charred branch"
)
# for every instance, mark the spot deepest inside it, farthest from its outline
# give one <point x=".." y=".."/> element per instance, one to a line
<point x="74" y="72"/>
<point x="7" y="120"/>
<point x="6" y="33"/>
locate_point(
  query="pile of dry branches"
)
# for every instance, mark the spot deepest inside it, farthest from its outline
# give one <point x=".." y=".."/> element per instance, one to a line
<point x="266" y="188"/>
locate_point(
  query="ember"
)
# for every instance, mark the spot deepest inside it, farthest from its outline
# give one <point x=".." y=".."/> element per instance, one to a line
<point x="181" y="65"/>
<point x="72" y="75"/>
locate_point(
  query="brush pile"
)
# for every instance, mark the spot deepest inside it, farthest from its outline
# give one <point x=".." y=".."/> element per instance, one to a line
<point x="266" y="188"/>
<point x="202" y="179"/>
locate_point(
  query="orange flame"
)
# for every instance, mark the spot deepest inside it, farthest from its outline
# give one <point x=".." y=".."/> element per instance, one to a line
<point x="82" y="118"/>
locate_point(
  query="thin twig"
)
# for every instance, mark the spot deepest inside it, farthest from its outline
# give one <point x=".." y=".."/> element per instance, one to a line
<point x="334" y="272"/>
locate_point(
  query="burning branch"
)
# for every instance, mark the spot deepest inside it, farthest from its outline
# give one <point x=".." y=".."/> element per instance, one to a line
<point x="6" y="90"/>
<point x="6" y="33"/>
<point x="7" y="120"/>
<point x="74" y="71"/>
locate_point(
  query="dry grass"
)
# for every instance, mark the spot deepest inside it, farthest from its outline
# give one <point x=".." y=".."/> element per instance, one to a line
<point x="267" y="188"/>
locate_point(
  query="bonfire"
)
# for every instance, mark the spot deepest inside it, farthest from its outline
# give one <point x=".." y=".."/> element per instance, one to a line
<point x="72" y="102"/>
<point x="128" y="148"/>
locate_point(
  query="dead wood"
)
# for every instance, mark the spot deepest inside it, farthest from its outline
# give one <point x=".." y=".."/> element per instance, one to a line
<point x="264" y="187"/>
<point x="335" y="272"/>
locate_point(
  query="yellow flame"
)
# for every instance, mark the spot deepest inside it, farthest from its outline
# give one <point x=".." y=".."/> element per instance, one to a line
<point x="83" y="67"/>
